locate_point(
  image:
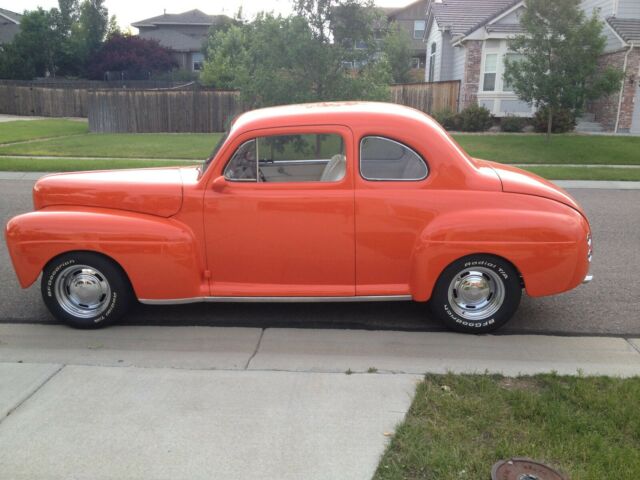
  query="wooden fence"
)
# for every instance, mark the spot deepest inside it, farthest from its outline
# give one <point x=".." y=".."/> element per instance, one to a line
<point x="428" y="97"/>
<point x="180" y="108"/>
<point x="139" y="111"/>
<point x="46" y="102"/>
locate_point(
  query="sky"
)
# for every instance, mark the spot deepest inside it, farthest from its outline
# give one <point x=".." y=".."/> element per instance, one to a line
<point x="130" y="11"/>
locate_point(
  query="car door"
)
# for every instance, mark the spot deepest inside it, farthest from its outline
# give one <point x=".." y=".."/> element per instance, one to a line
<point x="279" y="214"/>
<point x="392" y="208"/>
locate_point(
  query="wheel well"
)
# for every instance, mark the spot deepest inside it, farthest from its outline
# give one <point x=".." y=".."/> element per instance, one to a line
<point x="504" y="259"/>
<point x="92" y="252"/>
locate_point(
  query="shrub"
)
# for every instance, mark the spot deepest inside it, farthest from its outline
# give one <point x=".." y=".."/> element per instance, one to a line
<point x="475" y="119"/>
<point x="449" y="119"/>
<point x="563" y="121"/>
<point x="513" y="124"/>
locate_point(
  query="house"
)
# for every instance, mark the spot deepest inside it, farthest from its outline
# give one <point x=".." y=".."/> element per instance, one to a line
<point x="619" y="112"/>
<point x="9" y="25"/>
<point x="412" y="19"/>
<point x="183" y="33"/>
<point x="467" y="40"/>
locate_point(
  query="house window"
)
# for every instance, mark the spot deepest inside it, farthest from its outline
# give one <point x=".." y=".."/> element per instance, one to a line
<point x="512" y="57"/>
<point x="415" y="62"/>
<point x="432" y="61"/>
<point x="418" y="28"/>
<point x="197" y="60"/>
<point x="490" y="68"/>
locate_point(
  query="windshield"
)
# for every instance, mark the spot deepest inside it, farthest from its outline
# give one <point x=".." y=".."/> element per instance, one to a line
<point x="213" y="154"/>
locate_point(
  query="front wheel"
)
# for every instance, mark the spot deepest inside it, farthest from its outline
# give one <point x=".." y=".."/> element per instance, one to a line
<point x="477" y="294"/>
<point x="85" y="290"/>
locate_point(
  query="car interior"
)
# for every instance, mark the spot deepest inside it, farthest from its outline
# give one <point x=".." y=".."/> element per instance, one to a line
<point x="321" y="158"/>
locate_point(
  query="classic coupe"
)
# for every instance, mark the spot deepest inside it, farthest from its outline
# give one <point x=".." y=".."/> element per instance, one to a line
<point x="351" y="201"/>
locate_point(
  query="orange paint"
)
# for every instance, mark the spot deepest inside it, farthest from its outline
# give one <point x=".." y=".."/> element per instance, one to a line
<point x="180" y="233"/>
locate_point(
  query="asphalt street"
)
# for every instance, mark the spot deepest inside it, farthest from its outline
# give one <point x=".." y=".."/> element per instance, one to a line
<point x="610" y="305"/>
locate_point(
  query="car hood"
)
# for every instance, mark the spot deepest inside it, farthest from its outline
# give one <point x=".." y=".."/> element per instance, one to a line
<point x="516" y="180"/>
<point x="155" y="191"/>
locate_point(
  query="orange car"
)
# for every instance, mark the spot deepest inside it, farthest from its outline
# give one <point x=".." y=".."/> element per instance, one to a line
<point x="322" y="202"/>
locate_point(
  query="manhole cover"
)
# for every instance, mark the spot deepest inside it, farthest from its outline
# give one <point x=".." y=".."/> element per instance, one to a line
<point x="524" y="469"/>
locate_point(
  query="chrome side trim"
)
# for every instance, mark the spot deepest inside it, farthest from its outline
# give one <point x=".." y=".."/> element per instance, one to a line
<point x="587" y="279"/>
<point x="362" y="298"/>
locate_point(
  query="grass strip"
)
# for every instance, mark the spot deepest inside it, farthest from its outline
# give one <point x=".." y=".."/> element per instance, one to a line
<point x="25" y="130"/>
<point x="18" y="164"/>
<point x="460" y="425"/>
<point x="590" y="173"/>
<point x="196" y="146"/>
<point x="562" y="149"/>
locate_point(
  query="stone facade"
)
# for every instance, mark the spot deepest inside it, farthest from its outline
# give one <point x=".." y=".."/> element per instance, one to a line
<point x="471" y="78"/>
<point x="606" y="108"/>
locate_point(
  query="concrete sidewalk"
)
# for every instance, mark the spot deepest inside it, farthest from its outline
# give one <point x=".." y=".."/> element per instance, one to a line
<point x="205" y="402"/>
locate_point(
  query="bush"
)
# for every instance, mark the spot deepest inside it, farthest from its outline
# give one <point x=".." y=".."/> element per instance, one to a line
<point x="475" y="119"/>
<point x="563" y="121"/>
<point x="449" y="119"/>
<point x="513" y="124"/>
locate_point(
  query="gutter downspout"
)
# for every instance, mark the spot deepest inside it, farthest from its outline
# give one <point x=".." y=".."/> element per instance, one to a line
<point x="624" y="72"/>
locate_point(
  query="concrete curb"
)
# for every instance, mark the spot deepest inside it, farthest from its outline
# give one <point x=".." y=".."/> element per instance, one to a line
<point x="318" y="351"/>
<point x="569" y="184"/>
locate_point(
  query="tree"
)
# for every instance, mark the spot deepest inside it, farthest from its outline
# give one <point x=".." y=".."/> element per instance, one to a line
<point x="37" y="48"/>
<point x="89" y="32"/>
<point x="55" y="42"/>
<point x="398" y="50"/>
<point x="132" y="54"/>
<point x="277" y="60"/>
<point x="560" y="49"/>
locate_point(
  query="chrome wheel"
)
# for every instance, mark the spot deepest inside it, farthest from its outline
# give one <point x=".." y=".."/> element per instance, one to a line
<point x="476" y="293"/>
<point x="82" y="291"/>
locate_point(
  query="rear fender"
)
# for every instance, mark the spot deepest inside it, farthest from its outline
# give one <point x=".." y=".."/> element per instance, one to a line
<point x="548" y="248"/>
<point x="159" y="255"/>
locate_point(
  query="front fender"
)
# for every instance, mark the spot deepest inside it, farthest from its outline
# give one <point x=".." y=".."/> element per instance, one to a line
<point x="547" y="246"/>
<point x="159" y="255"/>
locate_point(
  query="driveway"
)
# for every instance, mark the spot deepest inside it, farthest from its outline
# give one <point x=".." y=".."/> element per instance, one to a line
<point x="607" y="306"/>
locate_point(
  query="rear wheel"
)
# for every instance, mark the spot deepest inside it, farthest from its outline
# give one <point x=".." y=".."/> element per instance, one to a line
<point x="477" y="294"/>
<point x="85" y="290"/>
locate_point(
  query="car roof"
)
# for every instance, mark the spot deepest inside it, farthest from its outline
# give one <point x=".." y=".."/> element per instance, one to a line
<point x="344" y="113"/>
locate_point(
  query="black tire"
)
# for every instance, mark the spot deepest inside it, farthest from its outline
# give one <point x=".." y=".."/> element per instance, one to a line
<point x="476" y="294"/>
<point x="85" y="290"/>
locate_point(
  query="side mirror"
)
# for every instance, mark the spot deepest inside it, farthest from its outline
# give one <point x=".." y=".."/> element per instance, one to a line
<point x="219" y="183"/>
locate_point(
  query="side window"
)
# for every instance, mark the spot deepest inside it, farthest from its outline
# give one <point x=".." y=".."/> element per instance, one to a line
<point x="385" y="159"/>
<point x="289" y="158"/>
<point x="243" y="166"/>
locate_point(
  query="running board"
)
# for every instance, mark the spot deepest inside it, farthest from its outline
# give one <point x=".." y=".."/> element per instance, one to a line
<point x="362" y="298"/>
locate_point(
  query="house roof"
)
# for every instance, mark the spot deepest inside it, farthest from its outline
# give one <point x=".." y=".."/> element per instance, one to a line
<point x="12" y="16"/>
<point x="627" y="28"/>
<point x="174" y="40"/>
<point x="462" y="17"/>
<point x="192" y="17"/>
<point x="393" y="11"/>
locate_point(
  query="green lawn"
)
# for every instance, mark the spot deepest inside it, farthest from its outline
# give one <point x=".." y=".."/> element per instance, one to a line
<point x="22" y="130"/>
<point x="512" y="148"/>
<point x="122" y="145"/>
<point x="9" y="164"/>
<point x="459" y="426"/>
<point x="562" y="149"/>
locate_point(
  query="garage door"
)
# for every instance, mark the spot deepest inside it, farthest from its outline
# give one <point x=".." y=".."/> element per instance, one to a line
<point x="635" y="121"/>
